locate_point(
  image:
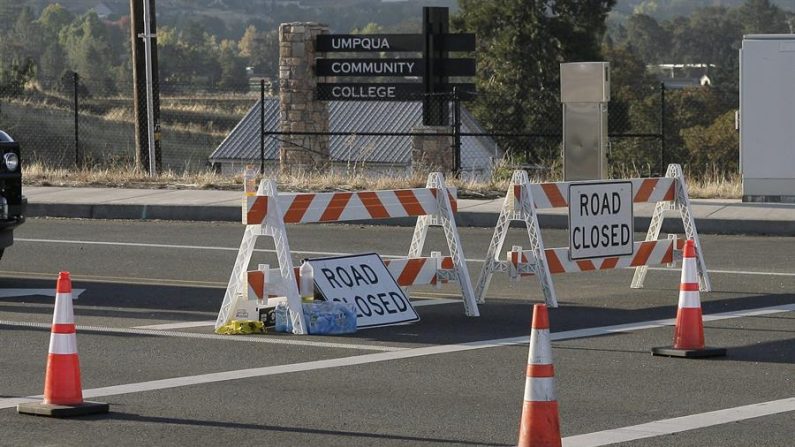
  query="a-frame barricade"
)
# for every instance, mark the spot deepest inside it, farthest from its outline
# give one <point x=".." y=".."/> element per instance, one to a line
<point x="266" y="214"/>
<point x="524" y="198"/>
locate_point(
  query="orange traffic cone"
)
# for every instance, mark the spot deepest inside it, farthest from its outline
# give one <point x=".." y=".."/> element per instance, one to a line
<point x="63" y="394"/>
<point x="540" y="424"/>
<point x="689" y="333"/>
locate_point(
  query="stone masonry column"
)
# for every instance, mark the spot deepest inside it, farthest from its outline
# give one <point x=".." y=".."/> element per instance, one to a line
<point x="432" y="151"/>
<point x="298" y="109"/>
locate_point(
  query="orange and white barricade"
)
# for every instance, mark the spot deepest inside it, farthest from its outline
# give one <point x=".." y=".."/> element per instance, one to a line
<point x="524" y="198"/>
<point x="266" y="214"/>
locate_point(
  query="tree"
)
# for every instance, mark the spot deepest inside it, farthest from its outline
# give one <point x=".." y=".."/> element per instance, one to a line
<point x="762" y="17"/>
<point x="233" y="67"/>
<point x="647" y="38"/>
<point x="88" y="52"/>
<point x="520" y="45"/>
<point x="53" y="19"/>
<point x="261" y="49"/>
<point x="715" y="147"/>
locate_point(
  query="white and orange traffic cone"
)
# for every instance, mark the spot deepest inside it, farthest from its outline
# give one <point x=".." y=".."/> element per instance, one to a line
<point x="63" y="394"/>
<point x="689" y="332"/>
<point x="540" y="424"/>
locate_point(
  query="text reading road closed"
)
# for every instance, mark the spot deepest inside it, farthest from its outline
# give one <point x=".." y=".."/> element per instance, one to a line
<point x="600" y="220"/>
<point x="364" y="281"/>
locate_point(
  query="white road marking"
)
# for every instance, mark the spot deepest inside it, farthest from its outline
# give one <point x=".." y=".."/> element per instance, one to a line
<point x="192" y="324"/>
<point x="329" y="253"/>
<point x="680" y="424"/>
<point x="280" y="340"/>
<point x="8" y="293"/>
<point x="183" y="325"/>
<point x="371" y="358"/>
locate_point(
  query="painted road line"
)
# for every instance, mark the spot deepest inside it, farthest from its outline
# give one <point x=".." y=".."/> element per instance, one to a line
<point x="330" y="253"/>
<point x="183" y="325"/>
<point x="192" y="324"/>
<point x="378" y="357"/>
<point x="280" y="340"/>
<point x="680" y="424"/>
<point x="9" y="293"/>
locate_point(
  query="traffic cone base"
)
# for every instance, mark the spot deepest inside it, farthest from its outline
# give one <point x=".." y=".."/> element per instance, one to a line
<point x="689" y="353"/>
<point x="540" y="424"/>
<point x="60" y="411"/>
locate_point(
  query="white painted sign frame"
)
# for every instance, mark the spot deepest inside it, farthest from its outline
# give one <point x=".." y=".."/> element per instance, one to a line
<point x="600" y="197"/>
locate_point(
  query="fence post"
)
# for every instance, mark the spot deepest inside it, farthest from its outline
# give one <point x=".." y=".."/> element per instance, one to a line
<point x="456" y="133"/>
<point x="76" y="78"/>
<point x="662" y="128"/>
<point x="262" y="126"/>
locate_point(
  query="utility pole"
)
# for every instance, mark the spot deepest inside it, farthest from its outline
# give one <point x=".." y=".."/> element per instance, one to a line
<point x="146" y="94"/>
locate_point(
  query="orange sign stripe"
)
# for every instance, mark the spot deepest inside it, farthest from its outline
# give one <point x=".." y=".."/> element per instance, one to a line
<point x="554" y="196"/>
<point x="554" y="263"/>
<point x="668" y="257"/>
<point x="669" y="195"/>
<point x="259" y="209"/>
<point x="645" y="190"/>
<point x="256" y="281"/>
<point x="517" y="192"/>
<point x="609" y="263"/>
<point x="298" y="208"/>
<point x="410" y="202"/>
<point x="447" y="262"/>
<point x="644" y="251"/>
<point x="410" y="271"/>
<point x="373" y="204"/>
<point x="585" y="265"/>
<point x="336" y="206"/>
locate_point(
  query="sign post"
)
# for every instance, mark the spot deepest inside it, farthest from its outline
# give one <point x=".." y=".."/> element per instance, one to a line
<point x="600" y="220"/>
<point x="430" y="72"/>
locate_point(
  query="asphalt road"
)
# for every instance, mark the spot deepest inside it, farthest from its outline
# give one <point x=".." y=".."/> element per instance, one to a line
<point x="446" y="380"/>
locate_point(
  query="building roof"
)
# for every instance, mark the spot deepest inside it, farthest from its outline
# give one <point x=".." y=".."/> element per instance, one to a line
<point x="243" y="141"/>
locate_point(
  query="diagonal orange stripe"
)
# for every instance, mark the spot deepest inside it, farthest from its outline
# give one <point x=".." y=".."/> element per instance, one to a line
<point x="554" y="196"/>
<point x="256" y="281"/>
<point x="644" y="251"/>
<point x="668" y="257"/>
<point x="410" y="202"/>
<point x="298" y="208"/>
<point x="453" y="203"/>
<point x="609" y="263"/>
<point x="554" y="263"/>
<point x="258" y="210"/>
<point x="336" y="206"/>
<point x="373" y="205"/>
<point x="645" y="190"/>
<point x="669" y="195"/>
<point x="586" y="265"/>
<point x="447" y="262"/>
<point x="410" y="271"/>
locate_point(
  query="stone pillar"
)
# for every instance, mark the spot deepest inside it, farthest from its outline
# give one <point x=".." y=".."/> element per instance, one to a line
<point x="432" y="152"/>
<point x="298" y="109"/>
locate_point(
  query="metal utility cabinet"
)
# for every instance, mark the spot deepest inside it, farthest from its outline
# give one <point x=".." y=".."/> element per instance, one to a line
<point x="767" y="117"/>
<point x="584" y="92"/>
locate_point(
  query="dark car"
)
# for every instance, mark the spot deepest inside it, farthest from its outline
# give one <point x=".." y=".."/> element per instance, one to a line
<point x="12" y="202"/>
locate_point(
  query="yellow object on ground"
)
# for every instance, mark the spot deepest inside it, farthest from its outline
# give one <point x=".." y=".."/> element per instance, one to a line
<point x="237" y="327"/>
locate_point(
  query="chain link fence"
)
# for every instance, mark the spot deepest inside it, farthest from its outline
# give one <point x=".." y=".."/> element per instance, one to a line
<point x="71" y="122"/>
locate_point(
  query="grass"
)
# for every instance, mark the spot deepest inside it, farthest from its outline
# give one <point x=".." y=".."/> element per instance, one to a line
<point x="126" y="176"/>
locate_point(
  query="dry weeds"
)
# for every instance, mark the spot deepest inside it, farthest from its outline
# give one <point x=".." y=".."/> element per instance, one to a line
<point x="712" y="186"/>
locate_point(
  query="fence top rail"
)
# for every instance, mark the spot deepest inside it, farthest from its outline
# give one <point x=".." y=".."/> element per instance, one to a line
<point x="644" y="190"/>
<point x="347" y="206"/>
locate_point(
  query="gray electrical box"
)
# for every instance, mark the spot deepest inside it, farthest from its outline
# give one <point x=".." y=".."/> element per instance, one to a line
<point x="767" y="117"/>
<point x="584" y="92"/>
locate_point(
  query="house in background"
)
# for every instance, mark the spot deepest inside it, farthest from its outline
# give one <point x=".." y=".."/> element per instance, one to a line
<point x="376" y="154"/>
<point x="677" y="76"/>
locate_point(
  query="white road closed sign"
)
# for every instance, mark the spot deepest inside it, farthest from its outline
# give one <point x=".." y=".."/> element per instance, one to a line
<point x="600" y="220"/>
<point x="365" y="281"/>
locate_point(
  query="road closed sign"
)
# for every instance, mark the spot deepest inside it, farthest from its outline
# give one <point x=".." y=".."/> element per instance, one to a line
<point x="600" y="220"/>
<point x="365" y="281"/>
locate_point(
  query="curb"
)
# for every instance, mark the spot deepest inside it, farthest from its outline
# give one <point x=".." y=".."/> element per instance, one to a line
<point x="221" y="213"/>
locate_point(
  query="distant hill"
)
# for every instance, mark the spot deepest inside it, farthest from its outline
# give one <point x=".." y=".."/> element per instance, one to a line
<point x="665" y="9"/>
